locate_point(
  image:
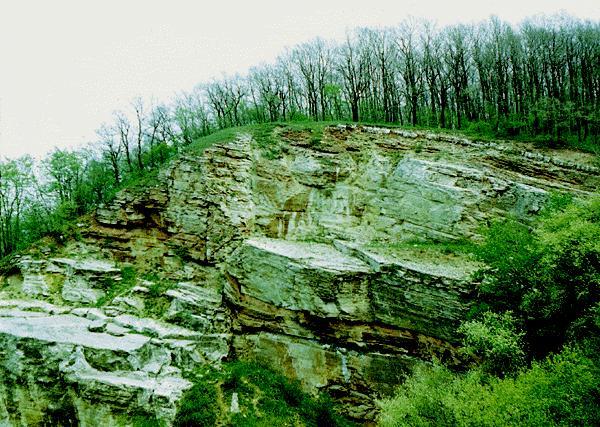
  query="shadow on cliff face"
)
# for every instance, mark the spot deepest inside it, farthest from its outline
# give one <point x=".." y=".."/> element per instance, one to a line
<point x="61" y="413"/>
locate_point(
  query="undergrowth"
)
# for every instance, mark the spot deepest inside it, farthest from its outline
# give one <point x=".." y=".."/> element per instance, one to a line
<point x="265" y="399"/>
<point x="115" y="288"/>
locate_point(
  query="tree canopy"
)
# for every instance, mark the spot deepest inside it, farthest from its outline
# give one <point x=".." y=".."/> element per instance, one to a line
<point x="539" y="80"/>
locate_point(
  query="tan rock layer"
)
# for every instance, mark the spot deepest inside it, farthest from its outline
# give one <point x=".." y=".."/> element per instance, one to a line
<point x="299" y="259"/>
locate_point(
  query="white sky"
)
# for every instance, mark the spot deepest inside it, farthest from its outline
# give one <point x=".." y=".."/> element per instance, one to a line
<point x="65" y="66"/>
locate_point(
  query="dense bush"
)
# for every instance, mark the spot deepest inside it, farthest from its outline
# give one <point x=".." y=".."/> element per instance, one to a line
<point x="511" y="251"/>
<point x="496" y="340"/>
<point x="199" y="407"/>
<point x="561" y="390"/>
<point x="549" y="276"/>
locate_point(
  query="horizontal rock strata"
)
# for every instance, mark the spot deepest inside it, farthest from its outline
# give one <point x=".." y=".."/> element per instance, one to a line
<point x="308" y="255"/>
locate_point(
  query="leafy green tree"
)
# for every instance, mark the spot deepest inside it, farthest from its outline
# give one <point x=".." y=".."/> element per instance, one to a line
<point x="511" y="252"/>
<point x="65" y="170"/>
<point x="16" y="181"/>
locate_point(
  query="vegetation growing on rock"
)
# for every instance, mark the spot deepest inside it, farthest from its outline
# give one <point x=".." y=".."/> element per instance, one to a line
<point x="338" y="254"/>
<point x="550" y="276"/>
<point x="560" y="390"/>
<point x="537" y="81"/>
<point x="264" y="398"/>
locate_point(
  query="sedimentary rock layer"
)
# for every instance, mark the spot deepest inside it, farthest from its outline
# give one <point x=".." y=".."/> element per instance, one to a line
<point x="304" y="254"/>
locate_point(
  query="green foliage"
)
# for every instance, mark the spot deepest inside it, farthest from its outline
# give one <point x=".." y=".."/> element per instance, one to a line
<point x="556" y="203"/>
<point x="561" y="390"/>
<point x="496" y="340"/>
<point x="223" y="135"/>
<point x="549" y="276"/>
<point x="16" y="178"/>
<point x="569" y="280"/>
<point x="146" y="421"/>
<point x="98" y="185"/>
<point x="511" y="127"/>
<point x="265" y="397"/>
<point x="480" y="129"/>
<point x="65" y="169"/>
<point x="114" y="288"/>
<point x="60" y="224"/>
<point x="424" y="399"/>
<point x="281" y="400"/>
<point x="198" y="407"/>
<point x="128" y="276"/>
<point x="159" y="154"/>
<point x="510" y="249"/>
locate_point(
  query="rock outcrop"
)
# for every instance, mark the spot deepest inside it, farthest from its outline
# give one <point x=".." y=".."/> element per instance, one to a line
<point x="305" y="255"/>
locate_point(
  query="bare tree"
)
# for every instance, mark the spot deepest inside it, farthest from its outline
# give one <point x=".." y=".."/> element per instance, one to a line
<point x="410" y="65"/>
<point x="354" y="60"/>
<point x="123" y="129"/>
<point x="138" y="108"/>
<point x="315" y="60"/>
<point x="112" y="149"/>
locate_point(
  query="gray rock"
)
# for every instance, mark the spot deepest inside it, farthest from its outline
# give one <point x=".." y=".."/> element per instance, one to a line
<point x="294" y="259"/>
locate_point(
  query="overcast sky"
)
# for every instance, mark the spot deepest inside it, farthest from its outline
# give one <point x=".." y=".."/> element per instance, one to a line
<point x="65" y="66"/>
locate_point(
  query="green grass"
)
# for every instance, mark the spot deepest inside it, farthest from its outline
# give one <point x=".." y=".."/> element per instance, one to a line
<point x="460" y="247"/>
<point x="220" y="136"/>
<point x="141" y="179"/>
<point x="115" y="288"/>
<point x="263" y="134"/>
<point x="199" y="406"/>
<point x="265" y="139"/>
<point x="146" y="421"/>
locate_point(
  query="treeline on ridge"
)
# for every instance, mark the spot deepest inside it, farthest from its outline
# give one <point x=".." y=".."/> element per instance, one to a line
<point x="540" y="80"/>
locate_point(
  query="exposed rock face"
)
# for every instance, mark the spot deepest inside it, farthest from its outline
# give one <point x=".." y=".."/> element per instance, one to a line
<point x="292" y="255"/>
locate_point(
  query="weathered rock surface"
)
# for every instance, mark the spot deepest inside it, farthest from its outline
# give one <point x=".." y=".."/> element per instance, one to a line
<point x="125" y="363"/>
<point x="302" y="260"/>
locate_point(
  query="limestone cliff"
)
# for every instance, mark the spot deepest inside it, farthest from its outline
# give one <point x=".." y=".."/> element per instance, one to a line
<point x="297" y="253"/>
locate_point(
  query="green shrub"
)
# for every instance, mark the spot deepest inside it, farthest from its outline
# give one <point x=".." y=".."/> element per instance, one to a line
<point x="549" y="276"/>
<point x="146" y="421"/>
<point x="496" y="340"/>
<point x="568" y="283"/>
<point x="511" y="127"/>
<point x="423" y="400"/>
<point x="128" y="275"/>
<point x="562" y="390"/>
<point x="198" y="407"/>
<point x="480" y="128"/>
<point x="511" y="251"/>
<point x="557" y="203"/>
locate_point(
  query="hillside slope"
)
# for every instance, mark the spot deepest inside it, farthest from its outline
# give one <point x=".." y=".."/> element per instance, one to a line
<point x="293" y="249"/>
